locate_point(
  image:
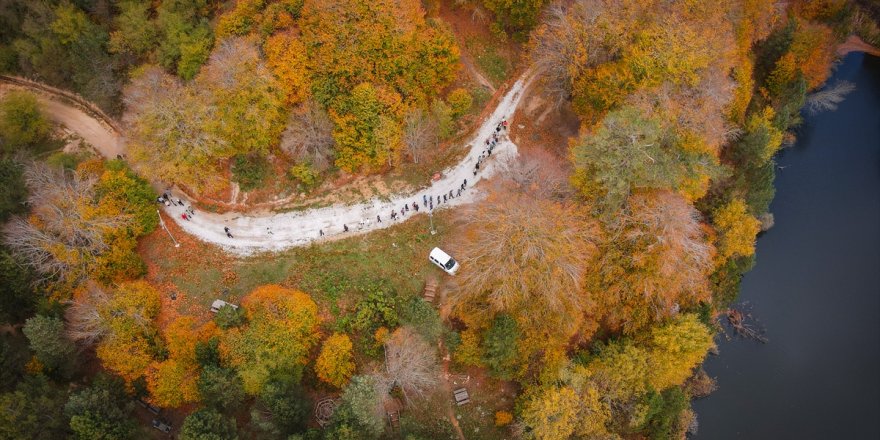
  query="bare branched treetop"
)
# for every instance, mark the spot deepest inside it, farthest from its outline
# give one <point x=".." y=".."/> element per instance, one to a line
<point x="527" y="257"/>
<point x="410" y="364"/>
<point x="309" y="136"/>
<point x="65" y="231"/>
<point x="419" y="134"/>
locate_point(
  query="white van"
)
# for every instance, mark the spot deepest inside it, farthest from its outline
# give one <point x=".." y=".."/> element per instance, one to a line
<point x="444" y="261"/>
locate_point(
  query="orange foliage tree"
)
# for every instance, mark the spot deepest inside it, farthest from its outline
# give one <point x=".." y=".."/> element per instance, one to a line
<point x="659" y="262"/>
<point x="286" y="56"/>
<point x="525" y="257"/>
<point x="173" y="382"/>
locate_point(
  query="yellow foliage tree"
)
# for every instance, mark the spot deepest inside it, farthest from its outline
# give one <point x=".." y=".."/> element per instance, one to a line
<point x="335" y="364"/>
<point x="551" y="414"/>
<point x="128" y="318"/>
<point x="173" y="382"/>
<point x="736" y="229"/>
<point x="675" y="349"/>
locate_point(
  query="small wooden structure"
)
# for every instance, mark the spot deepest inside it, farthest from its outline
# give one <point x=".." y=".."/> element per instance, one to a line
<point x="430" y="289"/>
<point x="324" y="410"/>
<point x="461" y="396"/>
<point x="394" y="420"/>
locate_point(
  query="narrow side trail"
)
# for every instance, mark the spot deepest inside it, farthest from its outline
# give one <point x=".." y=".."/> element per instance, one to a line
<point x="254" y="233"/>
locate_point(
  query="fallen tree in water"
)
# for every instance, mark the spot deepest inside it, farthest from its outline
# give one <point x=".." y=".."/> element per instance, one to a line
<point x="744" y="324"/>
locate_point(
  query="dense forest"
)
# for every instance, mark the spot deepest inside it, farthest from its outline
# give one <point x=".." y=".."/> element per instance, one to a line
<point x="594" y="272"/>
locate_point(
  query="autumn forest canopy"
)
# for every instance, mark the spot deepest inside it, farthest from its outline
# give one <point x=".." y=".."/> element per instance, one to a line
<point x="594" y="266"/>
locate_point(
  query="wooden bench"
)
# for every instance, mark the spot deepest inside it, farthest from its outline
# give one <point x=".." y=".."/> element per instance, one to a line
<point x="461" y="396"/>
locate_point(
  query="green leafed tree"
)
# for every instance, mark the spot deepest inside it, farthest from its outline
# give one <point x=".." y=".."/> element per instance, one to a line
<point x="22" y="123"/>
<point x="33" y="411"/>
<point x="50" y="346"/>
<point x="101" y="411"/>
<point x="208" y="424"/>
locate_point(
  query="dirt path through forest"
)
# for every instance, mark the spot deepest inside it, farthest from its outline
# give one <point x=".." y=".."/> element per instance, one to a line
<point x="103" y="138"/>
<point x="254" y="233"/>
<point x="277" y="231"/>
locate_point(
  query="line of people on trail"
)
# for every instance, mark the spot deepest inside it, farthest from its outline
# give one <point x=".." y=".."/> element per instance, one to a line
<point x="427" y="201"/>
<point x="490" y="142"/>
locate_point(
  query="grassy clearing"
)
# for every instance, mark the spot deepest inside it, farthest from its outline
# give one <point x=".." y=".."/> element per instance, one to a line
<point x="333" y="273"/>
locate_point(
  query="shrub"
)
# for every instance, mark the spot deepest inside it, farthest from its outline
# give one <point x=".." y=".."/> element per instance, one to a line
<point x="208" y="424"/>
<point x="305" y="174"/>
<point x="228" y="317"/>
<point x="22" y="124"/>
<point x="250" y="171"/>
<point x="503" y="418"/>
<point x="460" y="101"/>
<point x="422" y="316"/>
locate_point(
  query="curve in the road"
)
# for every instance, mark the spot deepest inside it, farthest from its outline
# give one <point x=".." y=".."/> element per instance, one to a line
<point x="253" y="233"/>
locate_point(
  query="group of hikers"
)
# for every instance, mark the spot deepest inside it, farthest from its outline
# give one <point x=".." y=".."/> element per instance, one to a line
<point x="167" y="200"/>
<point x="427" y="200"/>
<point x="491" y="142"/>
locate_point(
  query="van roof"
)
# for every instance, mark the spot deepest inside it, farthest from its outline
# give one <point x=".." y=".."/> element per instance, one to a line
<point x="439" y="255"/>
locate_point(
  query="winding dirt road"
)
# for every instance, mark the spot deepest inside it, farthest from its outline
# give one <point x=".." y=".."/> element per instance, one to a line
<point x="254" y="233"/>
<point x="74" y="113"/>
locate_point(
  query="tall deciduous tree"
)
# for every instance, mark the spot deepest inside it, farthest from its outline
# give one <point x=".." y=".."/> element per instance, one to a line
<point x="658" y="263"/>
<point x="308" y="137"/>
<point x="50" y="344"/>
<point x="282" y="328"/>
<point x="410" y="364"/>
<point x="67" y="230"/>
<point x="525" y="257"/>
<point x="335" y="363"/>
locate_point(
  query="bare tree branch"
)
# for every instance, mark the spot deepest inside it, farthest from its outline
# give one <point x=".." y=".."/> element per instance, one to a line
<point x="410" y="363"/>
<point x="309" y="136"/>
<point x="829" y="97"/>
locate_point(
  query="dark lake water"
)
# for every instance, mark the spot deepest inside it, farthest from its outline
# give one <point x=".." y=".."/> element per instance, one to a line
<point x="816" y="288"/>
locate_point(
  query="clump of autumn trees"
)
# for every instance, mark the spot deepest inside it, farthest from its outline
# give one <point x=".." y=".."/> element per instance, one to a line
<point x="360" y="93"/>
<point x="600" y="303"/>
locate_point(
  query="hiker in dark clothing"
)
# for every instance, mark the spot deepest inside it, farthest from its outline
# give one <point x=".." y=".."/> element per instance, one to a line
<point x="229" y="234"/>
<point x="402" y="212"/>
<point x="444" y="197"/>
<point x="416" y="206"/>
<point x="431" y="202"/>
<point x="378" y="219"/>
<point x="458" y="193"/>
<point x="344" y="228"/>
<point x="226" y="229"/>
<point x="321" y="232"/>
<point x="424" y="199"/>
<point x="406" y="207"/>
